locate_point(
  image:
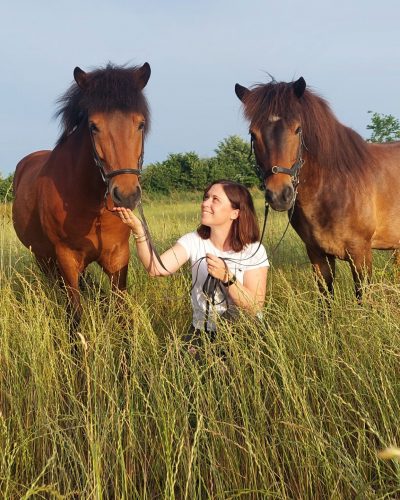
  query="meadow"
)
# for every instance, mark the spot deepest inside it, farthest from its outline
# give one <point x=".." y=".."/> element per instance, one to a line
<point x="298" y="408"/>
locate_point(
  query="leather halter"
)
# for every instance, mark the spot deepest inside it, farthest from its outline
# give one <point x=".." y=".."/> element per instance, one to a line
<point x="293" y="171"/>
<point x="101" y="166"/>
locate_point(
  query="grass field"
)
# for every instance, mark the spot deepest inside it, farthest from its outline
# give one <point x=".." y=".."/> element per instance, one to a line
<point x="298" y="409"/>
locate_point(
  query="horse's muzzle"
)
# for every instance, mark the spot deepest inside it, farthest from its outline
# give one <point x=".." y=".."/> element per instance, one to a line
<point x="280" y="201"/>
<point x="130" y="200"/>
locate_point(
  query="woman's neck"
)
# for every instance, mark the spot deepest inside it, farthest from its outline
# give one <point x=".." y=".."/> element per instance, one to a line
<point x="219" y="238"/>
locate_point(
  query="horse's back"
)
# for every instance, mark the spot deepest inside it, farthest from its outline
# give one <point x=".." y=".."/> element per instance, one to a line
<point x="29" y="168"/>
<point x="26" y="217"/>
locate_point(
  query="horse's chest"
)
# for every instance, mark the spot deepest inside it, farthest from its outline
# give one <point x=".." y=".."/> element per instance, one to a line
<point x="82" y="231"/>
<point x="320" y="231"/>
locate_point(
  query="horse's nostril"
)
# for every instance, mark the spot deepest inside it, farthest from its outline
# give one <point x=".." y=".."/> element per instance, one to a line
<point x="116" y="195"/>
<point x="269" y="195"/>
<point x="129" y="200"/>
<point x="287" y="194"/>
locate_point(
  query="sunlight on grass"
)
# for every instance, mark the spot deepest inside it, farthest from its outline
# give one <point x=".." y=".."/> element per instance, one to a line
<point x="295" y="406"/>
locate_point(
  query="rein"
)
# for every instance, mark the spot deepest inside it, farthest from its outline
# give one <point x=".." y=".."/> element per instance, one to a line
<point x="293" y="171"/>
<point x="134" y="171"/>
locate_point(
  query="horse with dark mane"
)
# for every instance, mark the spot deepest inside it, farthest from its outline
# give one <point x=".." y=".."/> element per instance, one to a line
<point x="342" y="192"/>
<point x="62" y="197"/>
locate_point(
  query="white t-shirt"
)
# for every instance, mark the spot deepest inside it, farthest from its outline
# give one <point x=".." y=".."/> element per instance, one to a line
<point x="253" y="256"/>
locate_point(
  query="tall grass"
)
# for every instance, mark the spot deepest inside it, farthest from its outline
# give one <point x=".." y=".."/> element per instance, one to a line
<point x="297" y="407"/>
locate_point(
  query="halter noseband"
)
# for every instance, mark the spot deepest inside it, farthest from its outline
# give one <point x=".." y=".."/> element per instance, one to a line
<point x="107" y="176"/>
<point x="293" y="171"/>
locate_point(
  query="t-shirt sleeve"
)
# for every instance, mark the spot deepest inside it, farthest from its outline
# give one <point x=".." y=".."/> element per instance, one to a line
<point x="259" y="258"/>
<point x="188" y="243"/>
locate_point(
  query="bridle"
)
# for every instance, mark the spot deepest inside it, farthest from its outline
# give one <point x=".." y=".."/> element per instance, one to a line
<point x="135" y="171"/>
<point x="293" y="171"/>
<point x="106" y="176"/>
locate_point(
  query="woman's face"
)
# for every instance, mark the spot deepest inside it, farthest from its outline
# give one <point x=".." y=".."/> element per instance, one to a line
<point x="216" y="209"/>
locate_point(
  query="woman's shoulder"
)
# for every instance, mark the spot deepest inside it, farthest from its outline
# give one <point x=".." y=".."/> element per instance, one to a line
<point x="191" y="243"/>
<point x="189" y="237"/>
<point x="256" y="254"/>
<point x="256" y="245"/>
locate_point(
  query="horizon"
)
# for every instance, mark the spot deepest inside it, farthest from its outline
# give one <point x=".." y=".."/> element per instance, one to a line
<point x="347" y="53"/>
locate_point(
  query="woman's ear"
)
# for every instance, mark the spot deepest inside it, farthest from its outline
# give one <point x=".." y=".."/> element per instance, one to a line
<point x="235" y="214"/>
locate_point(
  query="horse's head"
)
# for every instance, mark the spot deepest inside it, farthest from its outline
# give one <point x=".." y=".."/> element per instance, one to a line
<point x="116" y="126"/>
<point x="276" y="137"/>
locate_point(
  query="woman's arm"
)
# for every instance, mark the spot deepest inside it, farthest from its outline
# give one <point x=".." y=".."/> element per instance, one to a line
<point x="172" y="259"/>
<point x="251" y="294"/>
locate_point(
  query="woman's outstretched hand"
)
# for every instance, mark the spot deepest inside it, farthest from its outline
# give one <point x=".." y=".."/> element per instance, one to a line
<point x="130" y="219"/>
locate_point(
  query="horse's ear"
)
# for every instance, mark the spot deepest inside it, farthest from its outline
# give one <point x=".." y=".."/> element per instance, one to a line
<point x="80" y="77"/>
<point x="241" y="91"/>
<point x="142" y="75"/>
<point x="299" y="86"/>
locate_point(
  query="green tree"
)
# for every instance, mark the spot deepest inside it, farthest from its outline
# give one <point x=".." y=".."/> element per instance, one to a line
<point x="232" y="161"/>
<point x="180" y="171"/>
<point x="6" y="192"/>
<point x="186" y="171"/>
<point x="385" y="128"/>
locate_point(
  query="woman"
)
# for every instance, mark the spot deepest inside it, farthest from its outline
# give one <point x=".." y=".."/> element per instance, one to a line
<point x="229" y="265"/>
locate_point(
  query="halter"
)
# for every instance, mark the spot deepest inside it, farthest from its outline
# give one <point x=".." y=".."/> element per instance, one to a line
<point x="293" y="171"/>
<point x="107" y="176"/>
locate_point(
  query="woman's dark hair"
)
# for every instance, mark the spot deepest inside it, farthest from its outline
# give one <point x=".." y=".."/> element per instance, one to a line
<point x="244" y="229"/>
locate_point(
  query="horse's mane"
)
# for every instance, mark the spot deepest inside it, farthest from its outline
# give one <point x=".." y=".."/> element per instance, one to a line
<point x="333" y="146"/>
<point x="112" y="88"/>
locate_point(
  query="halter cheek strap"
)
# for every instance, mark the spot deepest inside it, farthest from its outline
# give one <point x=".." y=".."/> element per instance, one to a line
<point x="101" y="166"/>
<point x="293" y="171"/>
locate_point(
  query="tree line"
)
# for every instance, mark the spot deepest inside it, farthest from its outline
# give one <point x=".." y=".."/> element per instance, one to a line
<point x="232" y="160"/>
<point x="187" y="171"/>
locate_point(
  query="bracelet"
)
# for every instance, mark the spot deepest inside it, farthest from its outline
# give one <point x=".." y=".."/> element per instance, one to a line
<point x="141" y="239"/>
<point x="230" y="282"/>
<point x="138" y="236"/>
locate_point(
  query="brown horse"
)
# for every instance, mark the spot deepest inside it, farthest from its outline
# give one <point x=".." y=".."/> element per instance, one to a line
<point x="343" y="191"/>
<point x="62" y="197"/>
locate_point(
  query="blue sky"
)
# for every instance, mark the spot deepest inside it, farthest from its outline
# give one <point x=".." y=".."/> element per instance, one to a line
<point x="348" y="51"/>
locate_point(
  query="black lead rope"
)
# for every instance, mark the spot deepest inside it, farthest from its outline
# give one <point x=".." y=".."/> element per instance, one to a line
<point x="150" y="243"/>
<point x="135" y="171"/>
<point x="210" y="289"/>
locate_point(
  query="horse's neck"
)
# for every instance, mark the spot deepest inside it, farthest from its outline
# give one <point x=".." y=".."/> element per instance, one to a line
<point x="75" y="157"/>
<point x="82" y="165"/>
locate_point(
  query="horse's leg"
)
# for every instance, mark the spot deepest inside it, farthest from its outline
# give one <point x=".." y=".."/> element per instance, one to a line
<point x="49" y="268"/>
<point x="324" y="269"/>
<point x="361" y="268"/>
<point x="115" y="265"/>
<point x="71" y="265"/>
<point x="396" y="261"/>
<point x="118" y="278"/>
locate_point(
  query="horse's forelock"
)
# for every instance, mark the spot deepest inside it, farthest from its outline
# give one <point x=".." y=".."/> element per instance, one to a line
<point x="330" y="144"/>
<point x="113" y="88"/>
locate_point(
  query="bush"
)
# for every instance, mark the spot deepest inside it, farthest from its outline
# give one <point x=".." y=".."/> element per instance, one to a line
<point x="6" y="192"/>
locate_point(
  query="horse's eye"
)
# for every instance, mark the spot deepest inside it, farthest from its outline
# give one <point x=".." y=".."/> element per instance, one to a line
<point x="253" y="136"/>
<point x="141" y="126"/>
<point x="298" y="130"/>
<point x="93" y="127"/>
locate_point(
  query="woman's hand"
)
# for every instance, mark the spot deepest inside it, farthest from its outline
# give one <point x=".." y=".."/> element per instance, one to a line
<point x="216" y="267"/>
<point x="130" y="219"/>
